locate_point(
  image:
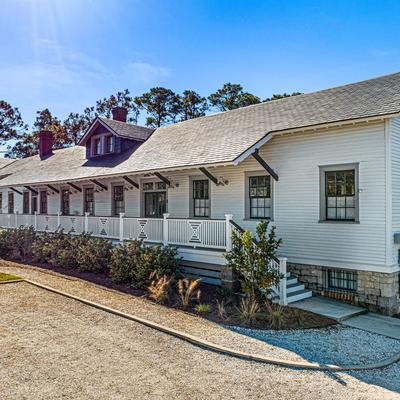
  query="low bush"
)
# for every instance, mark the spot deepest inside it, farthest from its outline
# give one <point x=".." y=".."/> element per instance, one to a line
<point x="133" y="263"/>
<point x="203" y="308"/>
<point x="248" y="310"/>
<point x="124" y="260"/>
<point x="93" y="254"/>
<point x="17" y="243"/>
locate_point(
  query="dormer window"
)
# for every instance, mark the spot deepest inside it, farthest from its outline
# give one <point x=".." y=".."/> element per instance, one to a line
<point x="102" y="144"/>
<point x="96" y="146"/>
<point x="109" y="144"/>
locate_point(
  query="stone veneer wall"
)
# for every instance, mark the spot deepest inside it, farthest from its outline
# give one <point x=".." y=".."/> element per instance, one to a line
<point x="375" y="290"/>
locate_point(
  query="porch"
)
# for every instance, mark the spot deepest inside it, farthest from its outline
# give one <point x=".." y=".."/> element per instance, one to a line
<point x="212" y="234"/>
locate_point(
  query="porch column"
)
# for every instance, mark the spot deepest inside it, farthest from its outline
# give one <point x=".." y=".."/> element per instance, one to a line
<point x="282" y="283"/>
<point x="228" y="231"/>
<point x="16" y="219"/>
<point x="35" y="220"/>
<point x="58" y="220"/>
<point x="86" y="224"/>
<point x="121" y="227"/>
<point x="165" y="229"/>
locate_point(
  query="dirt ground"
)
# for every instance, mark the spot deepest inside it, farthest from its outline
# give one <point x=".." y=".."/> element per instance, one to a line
<point x="56" y="348"/>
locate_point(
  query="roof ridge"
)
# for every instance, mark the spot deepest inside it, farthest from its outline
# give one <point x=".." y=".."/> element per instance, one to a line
<point x="126" y="123"/>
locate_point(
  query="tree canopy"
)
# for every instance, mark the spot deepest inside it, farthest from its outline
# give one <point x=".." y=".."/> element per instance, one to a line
<point x="232" y="96"/>
<point x="160" y="105"/>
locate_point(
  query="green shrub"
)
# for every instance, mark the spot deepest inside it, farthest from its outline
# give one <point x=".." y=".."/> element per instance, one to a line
<point x="134" y="263"/>
<point x="203" y="308"/>
<point x="5" y="248"/>
<point x="17" y="243"/>
<point x="124" y="260"/>
<point x="93" y="254"/>
<point x="250" y="260"/>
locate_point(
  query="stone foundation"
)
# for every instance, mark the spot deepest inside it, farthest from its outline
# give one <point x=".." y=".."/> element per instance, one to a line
<point x="376" y="291"/>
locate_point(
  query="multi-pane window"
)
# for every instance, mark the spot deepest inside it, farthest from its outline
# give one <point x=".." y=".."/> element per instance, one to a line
<point x="342" y="280"/>
<point x="340" y="192"/>
<point x="260" y="196"/>
<point x="109" y="144"/>
<point x="25" y="203"/>
<point x="89" y="201"/>
<point x="34" y="203"/>
<point x="11" y="203"/>
<point x="65" y="202"/>
<point x="96" y="146"/>
<point x="118" y="200"/>
<point x="201" y="198"/>
<point x="155" y="199"/>
<point x="43" y="202"/>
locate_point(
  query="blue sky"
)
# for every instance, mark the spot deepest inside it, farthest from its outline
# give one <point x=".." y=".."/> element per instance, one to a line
<point x="65" y="54"/>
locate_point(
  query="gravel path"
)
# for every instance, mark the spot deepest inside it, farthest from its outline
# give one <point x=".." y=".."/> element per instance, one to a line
<point x="57" y="348"/>
<point x="333" y="345"/>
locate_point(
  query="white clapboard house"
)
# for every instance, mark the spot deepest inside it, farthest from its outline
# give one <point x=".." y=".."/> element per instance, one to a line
<point x="324" y="167"/>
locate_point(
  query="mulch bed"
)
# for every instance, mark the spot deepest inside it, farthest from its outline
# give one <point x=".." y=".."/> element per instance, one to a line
<point x="293" y="318"/>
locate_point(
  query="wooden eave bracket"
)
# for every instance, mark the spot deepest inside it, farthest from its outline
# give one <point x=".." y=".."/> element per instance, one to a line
<point x="15" y="190"/>
<point x="96" y="182"/>
<point x="211" y="177"/>
<point x="163" y="179"/>
<point x="74" y="186"/>
<point x="130" y="181"/>
<point x="264" y="164"/>
<point x="31" y="189"/>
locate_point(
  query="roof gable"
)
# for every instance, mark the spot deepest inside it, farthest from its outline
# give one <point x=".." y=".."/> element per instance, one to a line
<point x="121" y="129"/>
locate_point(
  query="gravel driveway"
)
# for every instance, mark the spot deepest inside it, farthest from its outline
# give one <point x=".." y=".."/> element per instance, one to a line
<point x="56" y="348"/>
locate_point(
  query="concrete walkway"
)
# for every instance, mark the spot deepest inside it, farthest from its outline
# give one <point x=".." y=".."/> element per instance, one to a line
<point x="329" y="308"/>
<point x="376" y="323"/>
<point x="353" y="316"/>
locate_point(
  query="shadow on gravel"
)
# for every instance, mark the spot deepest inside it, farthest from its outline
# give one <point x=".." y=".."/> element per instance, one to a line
<point x="337" y="345"/>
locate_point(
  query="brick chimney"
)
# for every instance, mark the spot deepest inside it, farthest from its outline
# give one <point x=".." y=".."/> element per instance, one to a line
<point x="45" y="143"/>
<point x="119" y="114"/>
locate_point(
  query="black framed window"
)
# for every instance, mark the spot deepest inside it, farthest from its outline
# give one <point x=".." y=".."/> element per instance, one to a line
<point x="43" y="202"/>
<point x="340" y="193"/>
<point x="201" y="198"/>
<point x="65" y="202"/>
<point x="89" y="201"/>
<point x="260" y="196"/>
<point x="109" y="144"/>
<point x="25" y="203"/>
<point x="118" y="200"/>
<point x="11" y="203"/>
<point x="34" y="203"/>
<point x="342" y="280"/>
<point x="155" y="204"/>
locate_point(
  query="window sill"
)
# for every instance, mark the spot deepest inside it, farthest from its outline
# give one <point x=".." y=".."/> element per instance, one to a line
<point x="258" y="219"/>
<point x="344" y="222"/>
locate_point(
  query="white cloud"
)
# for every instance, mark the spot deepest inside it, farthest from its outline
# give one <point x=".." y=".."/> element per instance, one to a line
<point x="145" y="73"/>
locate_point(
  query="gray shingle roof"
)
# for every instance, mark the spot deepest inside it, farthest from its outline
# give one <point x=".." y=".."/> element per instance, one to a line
<point x="219" y="138"/>
<point x="5" y="161"/>
<point x="128" y="130"/>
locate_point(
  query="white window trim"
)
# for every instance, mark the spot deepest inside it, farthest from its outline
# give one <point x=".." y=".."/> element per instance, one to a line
<point x="113" y="184"/>
<point x="247" y="175"/>
<point x="142" y="193"/>
<point x="322" y="196"/>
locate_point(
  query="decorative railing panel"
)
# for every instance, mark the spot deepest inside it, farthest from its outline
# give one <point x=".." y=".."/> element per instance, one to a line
<point x="47" y="223"/>
<point x="107" y="227"/>
<point x="197" y="233"/>
<point x="148" y="229"/>
<point x="72" y="224"/>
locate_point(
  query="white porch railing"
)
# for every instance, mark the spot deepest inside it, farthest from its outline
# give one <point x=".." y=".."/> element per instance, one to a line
<point x="195" y="233"/>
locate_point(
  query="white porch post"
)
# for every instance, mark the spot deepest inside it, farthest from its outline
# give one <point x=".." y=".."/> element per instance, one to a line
<point x="86" y="223"/>
<point x="16" y="219"/>
<point x="35" y="220"/>
<point x="9" y="221"/>
<point x="228" y="231"/>
<point x="165" y="229"/>
<point x="121" y="227"/>
<point x="58" y="220"/>
<point x="282" y="283"/>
